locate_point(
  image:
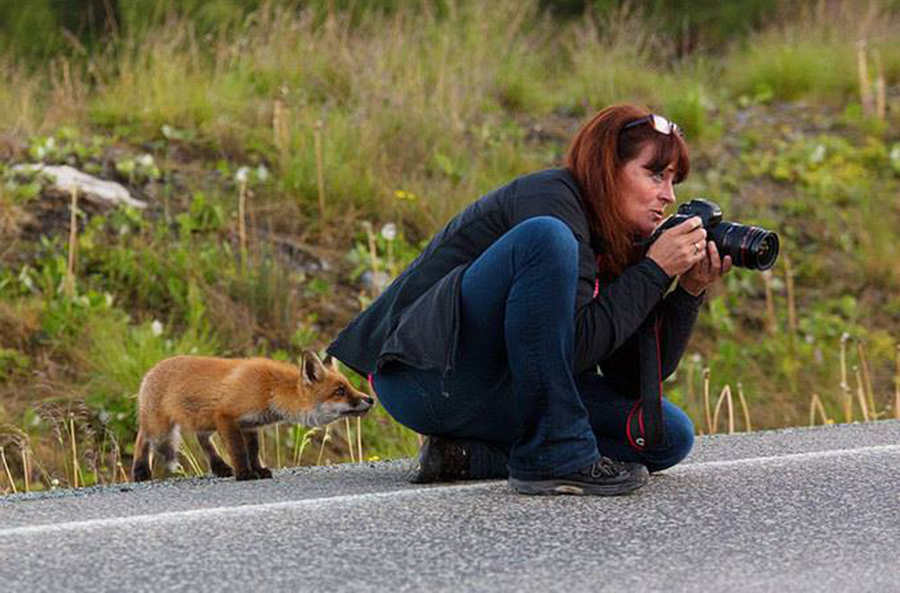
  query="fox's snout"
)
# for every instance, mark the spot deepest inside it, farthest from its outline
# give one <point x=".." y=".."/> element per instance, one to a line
<point x="362" y="406"/>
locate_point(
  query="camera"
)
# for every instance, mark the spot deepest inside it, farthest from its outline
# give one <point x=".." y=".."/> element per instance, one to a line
<point x="749" y="246"/>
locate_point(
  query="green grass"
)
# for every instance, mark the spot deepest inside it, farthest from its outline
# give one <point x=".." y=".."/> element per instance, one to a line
<point x="788" y="71"/>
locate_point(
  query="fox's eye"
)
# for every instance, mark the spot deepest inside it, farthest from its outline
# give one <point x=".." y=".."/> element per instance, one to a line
<point x="339" y="392"/>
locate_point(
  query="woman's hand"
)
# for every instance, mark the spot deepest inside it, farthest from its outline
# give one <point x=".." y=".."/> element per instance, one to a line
<point x="708" y="270"/>
<point x="680" y="248"/>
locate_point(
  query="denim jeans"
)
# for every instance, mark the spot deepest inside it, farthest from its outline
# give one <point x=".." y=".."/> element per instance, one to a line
<point x="513" y="384"/>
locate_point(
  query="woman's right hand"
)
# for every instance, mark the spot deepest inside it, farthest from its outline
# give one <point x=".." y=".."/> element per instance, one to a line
<point x="680" y="247"/>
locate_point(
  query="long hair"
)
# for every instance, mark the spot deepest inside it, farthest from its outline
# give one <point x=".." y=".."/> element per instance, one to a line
<point x="595" y="159"/>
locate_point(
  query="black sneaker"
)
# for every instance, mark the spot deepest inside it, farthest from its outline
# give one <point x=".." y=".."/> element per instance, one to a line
<point x="604" y="477"/>
<point x="449" y="460"/>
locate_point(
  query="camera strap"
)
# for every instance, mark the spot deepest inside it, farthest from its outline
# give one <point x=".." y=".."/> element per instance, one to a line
<point x="644" y="427"/>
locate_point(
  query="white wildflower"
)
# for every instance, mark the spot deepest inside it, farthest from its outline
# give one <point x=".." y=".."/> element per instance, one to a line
<point x="818" y="154"/>
<point x="146" y="160"/>
<point x="156" y="327"/>
<point x="389" y="231"/>
<point x="25" y="279"/>
<point x="242" y="175"/>
<point x="262" y="173"/>
<point x="894" y="155"/>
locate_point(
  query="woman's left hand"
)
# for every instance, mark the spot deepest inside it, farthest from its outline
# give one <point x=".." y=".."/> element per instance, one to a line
<point x="708" y="270"/>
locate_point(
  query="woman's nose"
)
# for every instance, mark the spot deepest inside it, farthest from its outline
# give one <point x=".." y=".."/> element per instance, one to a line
<point x="667" y="193"/>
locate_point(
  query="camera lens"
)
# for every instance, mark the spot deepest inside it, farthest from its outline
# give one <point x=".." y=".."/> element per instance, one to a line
<point x="749" y="246"/>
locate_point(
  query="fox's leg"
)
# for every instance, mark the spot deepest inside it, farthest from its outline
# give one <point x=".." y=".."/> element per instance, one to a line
<point x="140" y="468"/>
<point x="167" y="448"/>
<point x="252" y="439"/>
<point x="216" y="464"/>
<point x="231" y="435"/>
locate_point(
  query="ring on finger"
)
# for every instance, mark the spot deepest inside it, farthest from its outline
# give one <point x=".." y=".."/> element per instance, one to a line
<point x="696" y="248"/>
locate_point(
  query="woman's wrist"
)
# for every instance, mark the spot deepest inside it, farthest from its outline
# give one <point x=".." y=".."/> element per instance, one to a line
<point x="694" y="291"/>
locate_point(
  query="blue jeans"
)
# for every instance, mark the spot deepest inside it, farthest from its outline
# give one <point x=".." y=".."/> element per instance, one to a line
<point x="513" y="382"/>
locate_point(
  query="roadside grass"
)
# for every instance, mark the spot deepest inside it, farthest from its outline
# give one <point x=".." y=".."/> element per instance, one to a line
<point x="815" y="55"/>
<point x="792" y="70"/>
<point x="388" y="122"/>
<point x="19" y="94"/>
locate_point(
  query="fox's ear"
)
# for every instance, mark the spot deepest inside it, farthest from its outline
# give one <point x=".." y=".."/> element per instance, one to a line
<point x="331" y="362"/>
<point x="311" y="367"/>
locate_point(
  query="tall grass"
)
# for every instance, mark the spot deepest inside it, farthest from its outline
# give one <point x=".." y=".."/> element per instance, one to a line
<point x="813" y="55"/>
<point x="385" y="116"/>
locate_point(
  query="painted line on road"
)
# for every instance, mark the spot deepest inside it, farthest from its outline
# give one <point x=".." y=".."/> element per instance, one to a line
<point x="790" y="457"/>
<point x="176" y="516"/>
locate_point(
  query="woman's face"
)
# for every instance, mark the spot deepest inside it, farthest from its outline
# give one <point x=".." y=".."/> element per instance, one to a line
<point x="646" y="193"/>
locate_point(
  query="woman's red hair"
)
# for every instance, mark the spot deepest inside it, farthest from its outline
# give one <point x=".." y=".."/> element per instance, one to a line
<point x="596" y="156"/>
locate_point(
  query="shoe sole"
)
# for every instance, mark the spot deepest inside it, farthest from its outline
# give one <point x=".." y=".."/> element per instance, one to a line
<point x="423" y="472"/>
<point x="553" y="487"/>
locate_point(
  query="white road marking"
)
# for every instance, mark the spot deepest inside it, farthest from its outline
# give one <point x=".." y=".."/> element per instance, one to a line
<point x="784" y="458"/>
<point x="177" y="516"/>
<point x="250" y="509"/>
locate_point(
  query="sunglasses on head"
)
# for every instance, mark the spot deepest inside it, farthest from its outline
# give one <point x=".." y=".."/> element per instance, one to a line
<point x="659" y="123"/>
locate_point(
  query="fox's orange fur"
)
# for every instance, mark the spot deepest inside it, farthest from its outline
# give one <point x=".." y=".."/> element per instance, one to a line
<point x="234" y="397"/>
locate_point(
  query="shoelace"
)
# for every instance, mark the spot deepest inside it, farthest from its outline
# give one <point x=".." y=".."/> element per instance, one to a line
<point x="605" y="467"/>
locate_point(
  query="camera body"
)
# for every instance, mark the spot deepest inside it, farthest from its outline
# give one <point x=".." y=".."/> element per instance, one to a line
<point x="749" y="246"/>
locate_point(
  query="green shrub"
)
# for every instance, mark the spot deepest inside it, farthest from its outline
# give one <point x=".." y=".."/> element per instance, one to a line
<point x="13" y="364"/>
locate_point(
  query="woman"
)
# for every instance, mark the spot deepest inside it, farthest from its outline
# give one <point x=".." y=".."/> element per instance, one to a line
<point x="522" y="338"/>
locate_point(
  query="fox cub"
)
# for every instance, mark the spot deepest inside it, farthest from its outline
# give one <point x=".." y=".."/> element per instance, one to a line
<point x="234" y="397"/>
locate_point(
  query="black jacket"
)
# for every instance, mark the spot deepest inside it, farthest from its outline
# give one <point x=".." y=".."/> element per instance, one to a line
<point x="416" y="320"/>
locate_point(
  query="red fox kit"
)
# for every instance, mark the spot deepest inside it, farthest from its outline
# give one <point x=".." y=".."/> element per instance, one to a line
<point x="234" y="397"/>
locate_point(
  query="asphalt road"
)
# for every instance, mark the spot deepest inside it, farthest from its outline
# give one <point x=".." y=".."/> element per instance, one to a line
<point x="799" y="510"/>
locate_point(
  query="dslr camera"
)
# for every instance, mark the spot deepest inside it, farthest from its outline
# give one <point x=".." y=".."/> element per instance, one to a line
<point x="749" y="246"/>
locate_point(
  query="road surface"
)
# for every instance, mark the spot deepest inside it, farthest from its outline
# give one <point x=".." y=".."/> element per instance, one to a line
<point x="799" y="510"/>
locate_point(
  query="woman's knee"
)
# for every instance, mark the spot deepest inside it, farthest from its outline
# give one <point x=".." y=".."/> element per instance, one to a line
<point x="549" y="236"/>
<point x="404" y="398"/>
<point x="679" y="438"/>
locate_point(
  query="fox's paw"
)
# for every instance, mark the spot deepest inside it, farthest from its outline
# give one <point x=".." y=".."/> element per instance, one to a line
<point x="263" y="473"/>
<point x="243" y="476"/>
<point x="221" y="471"/>
<point x="141" y="473"/>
